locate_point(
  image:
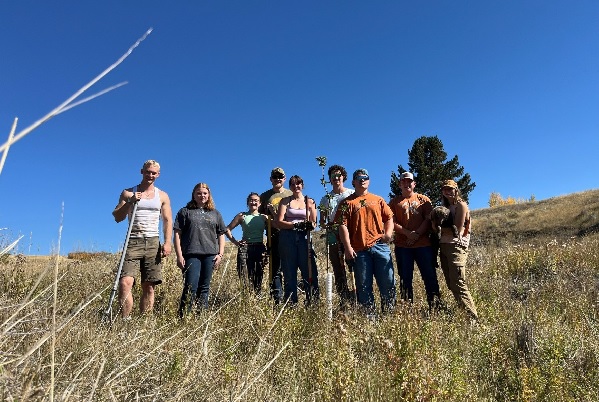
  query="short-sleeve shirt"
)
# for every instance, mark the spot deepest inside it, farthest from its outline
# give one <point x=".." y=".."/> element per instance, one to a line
<point x="270" y="197"/>
<point x="253" y="227"/>
<point x="410" y="213"/>
<point x="331" y="201"/>
<point x="365" y="217"/>
<point x="200" y="230"/>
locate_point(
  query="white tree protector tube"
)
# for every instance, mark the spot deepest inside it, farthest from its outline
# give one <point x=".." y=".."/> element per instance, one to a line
<point x="329" y="284"/>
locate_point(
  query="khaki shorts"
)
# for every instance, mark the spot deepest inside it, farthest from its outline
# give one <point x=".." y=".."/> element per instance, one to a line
<point x="143" y="254"/>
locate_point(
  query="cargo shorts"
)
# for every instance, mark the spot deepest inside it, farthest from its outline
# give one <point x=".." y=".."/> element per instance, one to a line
<point x="144" y="254"/>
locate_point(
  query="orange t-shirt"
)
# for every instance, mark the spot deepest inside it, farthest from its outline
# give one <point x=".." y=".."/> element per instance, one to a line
<point x="409" y="213"/>
<point x="365" y="217"/>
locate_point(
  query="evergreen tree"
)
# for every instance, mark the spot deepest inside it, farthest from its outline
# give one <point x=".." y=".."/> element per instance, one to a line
<point x="427" y="161"/>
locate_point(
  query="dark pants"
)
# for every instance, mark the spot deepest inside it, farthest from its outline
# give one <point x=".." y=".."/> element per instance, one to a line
<point x="423" y="256"/>
<point x="339" y="271"/>
<point x="276" y="279"/>
<point x="250" y="265"/>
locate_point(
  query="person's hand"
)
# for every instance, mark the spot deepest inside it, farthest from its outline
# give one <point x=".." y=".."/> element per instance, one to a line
<point x="217" y="259"/>
<point x="135" y="197"/>
<point x="350" y="254"/>
<point x="310" y="225"/>
<point x="412" y="237"/>
<point x="386" y="239"/>
<point x="181" y="263"/>
<point x="166" y="249"/>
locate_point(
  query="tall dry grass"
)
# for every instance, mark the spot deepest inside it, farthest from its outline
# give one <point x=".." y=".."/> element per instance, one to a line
<point x="537" y="340"/>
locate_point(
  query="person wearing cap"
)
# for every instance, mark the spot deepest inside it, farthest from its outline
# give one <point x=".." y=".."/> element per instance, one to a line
<point x="411" y="222"/>
<point x="365" y="229"/>
<point x="144" y="252"/>
<point x="269" y="205"/>
<point x="328" y="208"/>
<point x="454" y="250"/>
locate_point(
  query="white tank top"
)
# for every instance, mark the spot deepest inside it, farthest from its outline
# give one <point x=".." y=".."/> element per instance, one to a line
<point x="147" y="216"/>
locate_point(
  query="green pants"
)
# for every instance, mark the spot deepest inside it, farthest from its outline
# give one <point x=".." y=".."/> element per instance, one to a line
<point x="453" y="264"/>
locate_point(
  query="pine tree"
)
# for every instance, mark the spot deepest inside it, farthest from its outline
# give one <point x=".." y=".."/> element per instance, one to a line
<point x="427" y="161"/>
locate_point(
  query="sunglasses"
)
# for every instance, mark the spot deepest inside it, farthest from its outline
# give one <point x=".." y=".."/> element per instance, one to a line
<point x="362" y="178"/>
<point x="277" y="176"/>
<point x="336" y="176"/>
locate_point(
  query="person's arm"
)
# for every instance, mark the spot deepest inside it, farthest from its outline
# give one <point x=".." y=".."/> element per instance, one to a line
<point x="459" y="218"/>
<point x="234" y="223"/>
<point x="396" y="226"/>
<point x="425" y="226"/>
<point x="126" y="200"/>
<point x="167" y="223"/>
<point x="422" y="230"/>
<point x="350" y="254"/>
<point x="388" y="228"/>
<point x="178" y="250"/>
<point x="221" y="249"/>
<point x="280" y="222"/>
<point x="312" y="206"/>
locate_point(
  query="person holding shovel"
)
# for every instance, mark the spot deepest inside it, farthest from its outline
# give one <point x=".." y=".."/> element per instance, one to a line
<point x="269" y="204"/>
<point x="296" y="218"/>
<point x="143" y="251"/>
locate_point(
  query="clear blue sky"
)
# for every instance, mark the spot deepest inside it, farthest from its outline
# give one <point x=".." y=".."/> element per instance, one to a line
<point x="223" y="91"/>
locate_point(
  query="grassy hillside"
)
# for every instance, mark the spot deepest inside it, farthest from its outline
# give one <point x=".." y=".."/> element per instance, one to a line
<point x="559" y="217"/>
<point x="533" y="272"/>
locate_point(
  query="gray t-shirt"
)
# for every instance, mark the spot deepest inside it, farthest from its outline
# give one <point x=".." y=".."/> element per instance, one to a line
<point x="199" y="230"/>
<point x="331" y="201"/>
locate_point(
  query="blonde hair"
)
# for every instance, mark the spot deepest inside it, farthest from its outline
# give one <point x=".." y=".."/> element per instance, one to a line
<point x="150" y="162"/>
<point x="209" y="205"/>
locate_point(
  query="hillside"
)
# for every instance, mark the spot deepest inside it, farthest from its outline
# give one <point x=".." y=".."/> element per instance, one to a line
<point x="560" y="217"/>
<point x="536" y="340"/>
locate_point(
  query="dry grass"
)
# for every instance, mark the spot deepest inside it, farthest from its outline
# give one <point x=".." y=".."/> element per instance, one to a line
<point x="538" y="339"/>
<point x="558" y="217"/>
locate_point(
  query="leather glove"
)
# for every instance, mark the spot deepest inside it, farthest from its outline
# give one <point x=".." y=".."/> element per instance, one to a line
<point x="300" y="226"/>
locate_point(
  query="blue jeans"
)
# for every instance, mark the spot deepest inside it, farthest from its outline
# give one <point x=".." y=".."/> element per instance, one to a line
<point x="375" y="261"/>
<point x="196" y="284"/>
<point x="293" y="247"/>
<point x="423" y="256"/>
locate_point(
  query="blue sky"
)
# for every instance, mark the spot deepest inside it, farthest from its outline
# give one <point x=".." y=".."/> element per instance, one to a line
<point x="223" y="91"/>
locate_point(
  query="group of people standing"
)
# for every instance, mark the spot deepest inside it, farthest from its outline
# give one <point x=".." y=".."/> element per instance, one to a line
<point x="359" y="228"/>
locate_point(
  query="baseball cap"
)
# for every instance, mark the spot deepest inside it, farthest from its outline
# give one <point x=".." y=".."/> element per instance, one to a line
<point x="406" y="175"/>
<point x="360" y="172"/>
<point x="450" y="183"/>
<point x="277" y="171"/>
